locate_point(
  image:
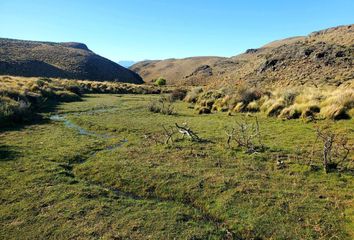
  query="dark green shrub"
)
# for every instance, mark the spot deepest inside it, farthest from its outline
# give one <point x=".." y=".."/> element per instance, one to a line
<point x="160" y="81"/>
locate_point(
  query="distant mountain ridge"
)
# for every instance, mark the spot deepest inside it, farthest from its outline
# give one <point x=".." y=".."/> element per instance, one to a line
<point x="323" y="57"/>
<point x="62" y="60"/>
<point x="126" y="63"/>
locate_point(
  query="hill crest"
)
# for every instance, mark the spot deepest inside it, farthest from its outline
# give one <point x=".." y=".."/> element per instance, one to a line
<point x="323" y="57"/>
<point x="70" y="60"/>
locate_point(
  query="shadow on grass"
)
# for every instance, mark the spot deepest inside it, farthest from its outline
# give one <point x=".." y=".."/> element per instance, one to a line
<point x="34" y="118"/>
<point x="8" y="153"/>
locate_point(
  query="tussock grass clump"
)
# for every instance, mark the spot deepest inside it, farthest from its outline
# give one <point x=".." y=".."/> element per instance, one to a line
<point x="67" y="96"/>
<point x="246" y="95"/>
<point x="308" y="103"/>
<point x="338" y="104"/>
<point x="163" y="105"/>
<point x="334" y="111"/>
<point x="204" y="110"/>
<point x="275" y="109"/>
<point x="207" y="99"/>
<point x="239" y="107"/>
<point x="20" y="97"/>
<point x="192" y="96"/>
<point x="297" y="110"/>
<point x="253" y="106"/>
<point x="291" y="112"/>
<point x="11" y="110"/>
<point x="289" y="96"/>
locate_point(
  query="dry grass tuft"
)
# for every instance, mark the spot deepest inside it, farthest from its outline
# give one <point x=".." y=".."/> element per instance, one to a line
<point x="20" y="96"/>
<point x="301" y="102"/>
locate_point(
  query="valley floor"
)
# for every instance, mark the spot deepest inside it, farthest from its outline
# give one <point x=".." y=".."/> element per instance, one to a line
<point x="92" y="170"/>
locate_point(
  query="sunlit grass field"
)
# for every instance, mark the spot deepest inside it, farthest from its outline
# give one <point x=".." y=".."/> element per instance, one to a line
<point x="114" y="182"/>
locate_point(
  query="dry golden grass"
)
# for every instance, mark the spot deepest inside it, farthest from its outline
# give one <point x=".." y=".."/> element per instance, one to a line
<point x="19" y="96"/>
<point x="298" y="102"/>
<point x="322" y="58"/>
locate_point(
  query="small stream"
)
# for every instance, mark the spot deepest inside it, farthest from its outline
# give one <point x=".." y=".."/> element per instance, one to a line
<point x="69" y="167"/>
<point x="69" y="124"/>
<point x="80" y="130"/>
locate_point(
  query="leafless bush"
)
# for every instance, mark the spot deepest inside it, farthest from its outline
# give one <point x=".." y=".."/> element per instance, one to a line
<point x="162" y="106"/>
<point x="334" y="147"/>
<point x="289" y="97"/>
<point x="187" y="131"/>
<point x="247" y="95"/>
<point x="169" y="133"/>
<point x="246" y="135"/>
<point x="152" y="138"/>
<point x="193" y="95"/>
<point x="177" y="94"/>
<point x="162" y="138"/>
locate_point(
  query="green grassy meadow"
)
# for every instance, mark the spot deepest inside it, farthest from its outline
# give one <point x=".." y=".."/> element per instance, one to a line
<point x="112" y="181"/>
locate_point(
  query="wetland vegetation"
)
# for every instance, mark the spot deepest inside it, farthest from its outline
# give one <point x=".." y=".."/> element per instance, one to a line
<point x="100" y="168"/>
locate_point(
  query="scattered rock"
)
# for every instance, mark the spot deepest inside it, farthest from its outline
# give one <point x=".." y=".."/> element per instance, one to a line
<point x="268" y="64"/>
<point x="252" y="50"/>
<point x="204" y="70"/>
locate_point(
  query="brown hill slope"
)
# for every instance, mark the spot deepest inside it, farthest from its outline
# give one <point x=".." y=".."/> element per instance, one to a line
<point x="322" y="58"/>
<point x="64" y="60"/>
<point x="190" y="71"/>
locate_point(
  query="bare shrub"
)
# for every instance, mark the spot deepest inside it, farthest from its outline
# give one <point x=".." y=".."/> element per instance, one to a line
<point x="246" y="135"/>
<point x="248" y="95"/>
<point x="334" y="148"/>
<point x="169" y="132"/>
<point x="289" y="97"/>
<point x="162" y="106"/>
<point x="185" y="130"/>
<point x="177" y="94"/>
<point x="192" y="96"/>
<point x="14" y="110"/>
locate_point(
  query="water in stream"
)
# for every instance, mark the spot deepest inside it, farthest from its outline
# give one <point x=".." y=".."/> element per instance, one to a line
<point x="82" y="131"/>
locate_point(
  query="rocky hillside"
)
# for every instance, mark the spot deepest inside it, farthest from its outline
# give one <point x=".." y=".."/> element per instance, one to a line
<point x="322" y="58"/>
<point x="61" y="60"/>
<point x="191" y="71"/>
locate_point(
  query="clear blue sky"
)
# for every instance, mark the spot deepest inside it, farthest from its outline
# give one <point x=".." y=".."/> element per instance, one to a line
<point x="158" y="29"/>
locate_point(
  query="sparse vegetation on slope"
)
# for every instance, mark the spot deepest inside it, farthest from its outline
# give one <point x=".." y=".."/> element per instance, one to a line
<point x="21" y="97"/>
<point x="60" y="60"/>
<point x="322" y="58"/>
<point x="291" y="103"/>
